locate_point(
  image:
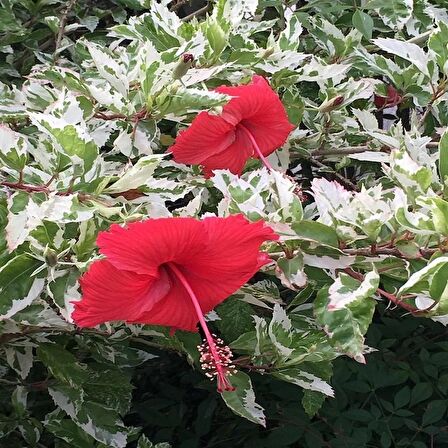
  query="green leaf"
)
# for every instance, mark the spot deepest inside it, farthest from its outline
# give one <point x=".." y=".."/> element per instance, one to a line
<point x="242" y="400"/>
<point x="346" y="290"/>
<point x="413" y="177"/>
<point x="439" y="209"/>
<point x="316" y="231"/>
<point x="30" y="430"/>
<point x="364" y="23"/>
<point x="290" y="271"/>
<point x="13" y="149"/>
<point x="18" y="288"/>
<point x="409" y="249"/>
<point x="111" y="70"/>
<point x="144" y="442"/>
<point x="65" y="429"/>
<point x="423" y="275"/>
<point x="71" y="139"/>
<point x="235" y="318"/>
<point x="443" y="158"/>
<point x="62" y="364"/>
<point x="280" y="331"/>
<point x="217" y="38"/>
<point x="434" y="412"/>
<point x="312" y="401"/>
<point x="100" y="422"/>
<point x="394" y="13"/>
<point x="402" y="397"/>
<point x="19" y="400"/>
<point x="109" y="387"/>
<point x="304" y="379"/>
<point x="289" y="37"/>
<point x="137" y="175"/>
<point x="408" y="51"/>
<point x="438" y="42"/>
<point x="345" y="327"/>
<point x="20" y="359"/>
<point x="438" y="286"/>
<point x="180" y="101"/>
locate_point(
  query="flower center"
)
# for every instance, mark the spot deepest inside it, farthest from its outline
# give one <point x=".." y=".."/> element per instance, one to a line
<point x="256" y="147"/>
<point x="215" y="356"/>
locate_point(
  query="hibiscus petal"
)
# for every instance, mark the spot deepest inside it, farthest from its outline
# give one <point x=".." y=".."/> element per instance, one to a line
<point x="233" y="158"/>
<point x="143" y="246"/>
<point x="260" y="110"/>
<point x="109" y="294"/>
<point x="207" y="135"/>
<point x="176" y="310"/>
<point x="231" y="258"/>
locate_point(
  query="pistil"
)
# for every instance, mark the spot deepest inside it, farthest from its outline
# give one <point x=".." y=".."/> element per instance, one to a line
<point x="256" y="147"/>
<point x="216" y="358"/>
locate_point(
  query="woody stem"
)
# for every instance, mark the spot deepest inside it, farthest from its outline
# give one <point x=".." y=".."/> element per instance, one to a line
<point x="197" y="307"/>
<point x="256" y="147"/>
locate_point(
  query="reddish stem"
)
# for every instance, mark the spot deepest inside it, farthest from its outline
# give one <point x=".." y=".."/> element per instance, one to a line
<point x="256" y="147"/>
<point x="34" y="188"/>
<point x="25" y="187"/>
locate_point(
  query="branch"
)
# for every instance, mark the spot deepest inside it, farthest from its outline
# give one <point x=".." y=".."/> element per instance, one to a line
<point x="196" y="13"/>
<point x="64" y="17"/>
<point x="114" y="116"/>
<point x="368" y="252"/>
<point x="25" y="187"/>
<point x="342" y="151"/>
<point x="343" y="179"/>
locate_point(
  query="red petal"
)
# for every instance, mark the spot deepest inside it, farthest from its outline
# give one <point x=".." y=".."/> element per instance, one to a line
<point x="232" y="158"/>
<point x="231" y="258"/>
<point x="109" y="294"/>
<point x="207" y="135"/>
<point x="258" y="107"/>
<point x="143" y="246"/>
<point x="176" y="310"/>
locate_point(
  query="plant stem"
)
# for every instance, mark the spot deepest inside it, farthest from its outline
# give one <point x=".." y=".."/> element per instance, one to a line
<point x="61" y="30"/>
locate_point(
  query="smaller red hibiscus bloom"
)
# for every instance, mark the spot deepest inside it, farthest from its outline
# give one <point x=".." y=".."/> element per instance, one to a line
<point x="170" y="271"/>
<point x="253" y="123"/>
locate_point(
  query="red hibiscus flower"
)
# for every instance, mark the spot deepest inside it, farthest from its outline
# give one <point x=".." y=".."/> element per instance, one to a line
<point x="170" y="271"/>
<point x="252" y="124"/>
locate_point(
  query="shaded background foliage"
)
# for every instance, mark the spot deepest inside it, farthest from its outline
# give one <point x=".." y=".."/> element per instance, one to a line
<point x="397" y="399"/>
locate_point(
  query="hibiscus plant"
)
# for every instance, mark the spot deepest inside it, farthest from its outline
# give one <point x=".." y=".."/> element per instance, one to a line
<point x="241" y="185"/>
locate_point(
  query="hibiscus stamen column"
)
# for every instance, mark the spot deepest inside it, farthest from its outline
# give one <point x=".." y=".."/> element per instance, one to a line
<point x="215" y="356"/>
<point x="256" y="147"/>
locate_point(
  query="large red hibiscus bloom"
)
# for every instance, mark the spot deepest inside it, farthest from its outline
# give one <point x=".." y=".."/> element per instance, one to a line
<point x="170" y="271"/>
<point x="252" y="124"/>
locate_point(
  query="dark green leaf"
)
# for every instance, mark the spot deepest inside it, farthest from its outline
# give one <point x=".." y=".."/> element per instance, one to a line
<point x="364" y="23"/>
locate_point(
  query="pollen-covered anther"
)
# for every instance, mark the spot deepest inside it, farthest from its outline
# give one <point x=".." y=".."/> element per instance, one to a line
<point x="219" y="364"/>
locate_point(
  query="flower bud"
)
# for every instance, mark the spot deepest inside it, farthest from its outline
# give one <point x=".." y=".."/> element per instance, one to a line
<point x="51" y="257"/>
<point x="331" y="104"/>
<point x="268" y="52"/>
<point x="391" y="98"/>
<point x="185" y="62"/>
